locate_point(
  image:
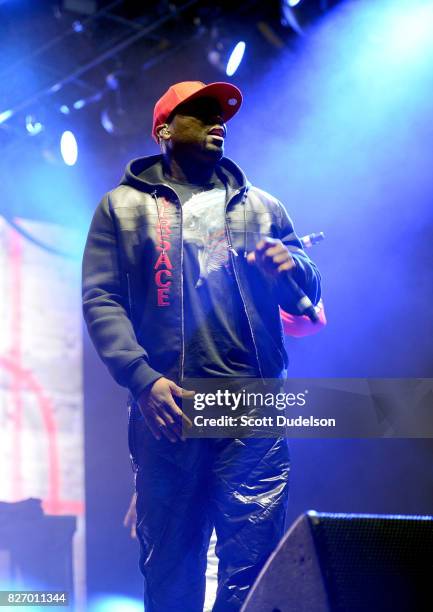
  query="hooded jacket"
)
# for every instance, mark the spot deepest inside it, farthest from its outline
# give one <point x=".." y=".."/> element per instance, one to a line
<point x="133" y="280"/>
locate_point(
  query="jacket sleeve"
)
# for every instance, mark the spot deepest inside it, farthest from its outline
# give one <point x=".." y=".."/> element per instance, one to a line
<point x="306" y="274"/>
<point x="105" y="307"/>
<point x="299" y="326"/>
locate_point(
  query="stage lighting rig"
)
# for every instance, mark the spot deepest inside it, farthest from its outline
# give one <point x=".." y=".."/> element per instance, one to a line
<point x="122" y="105"/>
<point x="225" y="53"/>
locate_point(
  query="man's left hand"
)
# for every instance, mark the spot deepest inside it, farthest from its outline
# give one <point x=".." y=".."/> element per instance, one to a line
<point x="130" y="519"/>
<point x="272" y="256"/>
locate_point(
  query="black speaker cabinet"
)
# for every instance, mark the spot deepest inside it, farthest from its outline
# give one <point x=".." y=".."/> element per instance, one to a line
<point x="349" y="563"/>
<point x="39" y="548"/>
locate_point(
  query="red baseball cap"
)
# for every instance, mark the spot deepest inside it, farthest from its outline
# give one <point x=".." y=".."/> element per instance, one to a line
<point x="228" y="96"/>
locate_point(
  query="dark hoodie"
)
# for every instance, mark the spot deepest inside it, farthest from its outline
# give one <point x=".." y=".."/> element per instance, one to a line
<point x="133" y="286"/>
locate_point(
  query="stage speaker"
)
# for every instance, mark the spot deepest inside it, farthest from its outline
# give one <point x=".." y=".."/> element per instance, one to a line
<point x="38" y="548"/>
<point x="349" y="563"/>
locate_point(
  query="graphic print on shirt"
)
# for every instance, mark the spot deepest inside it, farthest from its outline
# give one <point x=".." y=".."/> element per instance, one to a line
<point x="204" y="229"/>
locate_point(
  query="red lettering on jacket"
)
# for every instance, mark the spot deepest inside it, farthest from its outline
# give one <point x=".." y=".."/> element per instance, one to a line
<point x="164" y="225"/>
<point x="163" y="265"/>
<point x="163" y="296"/>
<point x="164" y="245"/>
<point x="158" y="279"/>
<point x="163" y="260"/>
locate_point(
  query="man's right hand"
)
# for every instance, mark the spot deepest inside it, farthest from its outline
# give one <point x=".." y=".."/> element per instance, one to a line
<point x="161" y="413"/>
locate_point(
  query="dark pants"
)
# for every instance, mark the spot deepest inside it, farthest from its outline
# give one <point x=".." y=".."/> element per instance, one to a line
<point x="183" y="490"/>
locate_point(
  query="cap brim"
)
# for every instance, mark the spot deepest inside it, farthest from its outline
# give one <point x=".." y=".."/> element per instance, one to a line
<point x="228" y="96"/>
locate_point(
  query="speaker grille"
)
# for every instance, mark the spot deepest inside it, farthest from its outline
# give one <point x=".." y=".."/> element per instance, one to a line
<point x="375" y="563"/>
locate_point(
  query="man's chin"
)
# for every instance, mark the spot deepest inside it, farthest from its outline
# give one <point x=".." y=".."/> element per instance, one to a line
<point x="209" y="154"/>
<point x="214" y="152"/>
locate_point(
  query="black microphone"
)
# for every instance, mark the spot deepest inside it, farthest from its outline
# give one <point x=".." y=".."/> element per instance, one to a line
<point x="303" y="304"/>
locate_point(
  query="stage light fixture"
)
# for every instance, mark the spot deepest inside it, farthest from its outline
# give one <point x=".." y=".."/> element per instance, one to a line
<point x="33" y="126"/>
<point x="225" y="53"/>
<point x="5" y="115"/>
<point x="288" y="16"/>
<point x="123" y="108"/>
<point x="235" y="58"/>
<point x="78" y="27"/>
<point x="106" y="122"/>
<point x="79" y="104"/>
<point x="69" y="148"/>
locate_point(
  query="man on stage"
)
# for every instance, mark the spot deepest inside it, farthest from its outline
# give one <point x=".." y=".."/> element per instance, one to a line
<point x="185" y="267"/>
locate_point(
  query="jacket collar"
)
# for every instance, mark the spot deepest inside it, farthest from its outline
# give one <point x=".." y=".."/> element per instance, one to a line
<point x="145" y="174"/>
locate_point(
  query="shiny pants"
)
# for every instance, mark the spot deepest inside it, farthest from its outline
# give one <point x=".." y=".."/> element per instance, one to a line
<point x="184" y="489"/>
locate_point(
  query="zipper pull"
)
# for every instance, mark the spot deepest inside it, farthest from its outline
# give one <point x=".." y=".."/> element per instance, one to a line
<point x="230" y="248"/>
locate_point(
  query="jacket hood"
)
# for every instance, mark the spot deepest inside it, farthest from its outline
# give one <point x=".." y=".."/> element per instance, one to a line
<point x="146" y="174"/>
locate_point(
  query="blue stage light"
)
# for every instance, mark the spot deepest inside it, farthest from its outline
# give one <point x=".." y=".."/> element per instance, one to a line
<point x="5" y="115"/>
<point x="78" y="27"/>
<point x="79" y="104"/>
<point x="69" y="148"/>
<point x="235" y="58"/>
<point x="288" y="15"/>
<point x="33" y="126"/>
<point x="106" y="122"/>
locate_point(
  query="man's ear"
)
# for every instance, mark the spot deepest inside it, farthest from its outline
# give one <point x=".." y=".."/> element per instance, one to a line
<point x="163" y="132"/>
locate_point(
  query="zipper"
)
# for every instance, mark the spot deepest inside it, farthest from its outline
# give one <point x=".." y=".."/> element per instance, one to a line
<point x="234" y="253"/>
<point x="182" y="315"/>
<point x="128" y="287"/>
<point x="182" y="354"/>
